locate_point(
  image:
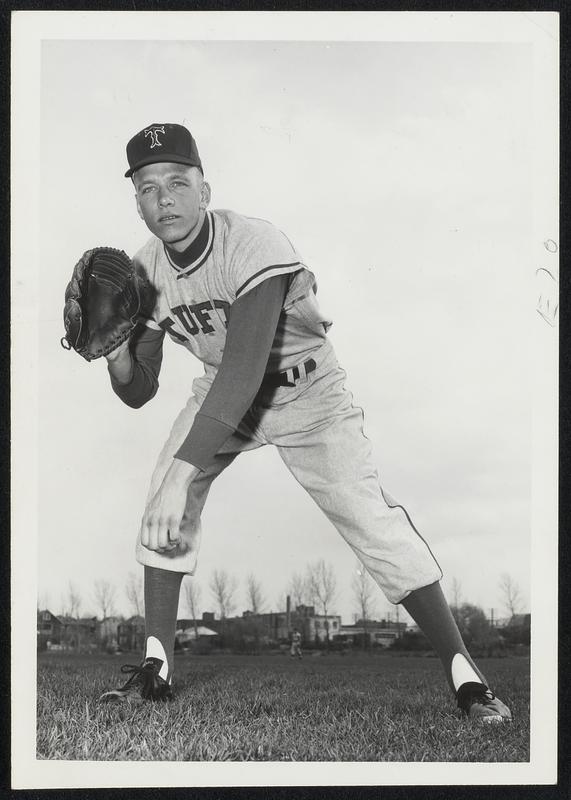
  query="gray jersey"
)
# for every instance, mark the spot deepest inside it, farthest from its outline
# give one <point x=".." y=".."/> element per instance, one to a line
<point x="238" y="254"/>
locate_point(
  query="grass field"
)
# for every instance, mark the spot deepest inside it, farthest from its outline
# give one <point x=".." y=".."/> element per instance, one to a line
<point x="271" y="708"/>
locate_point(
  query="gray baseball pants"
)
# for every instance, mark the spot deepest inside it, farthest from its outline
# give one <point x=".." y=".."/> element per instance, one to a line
<point x="319" y="435"/>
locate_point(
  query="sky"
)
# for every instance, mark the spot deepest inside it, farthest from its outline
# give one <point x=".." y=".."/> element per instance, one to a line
<point x="402" y="173"/>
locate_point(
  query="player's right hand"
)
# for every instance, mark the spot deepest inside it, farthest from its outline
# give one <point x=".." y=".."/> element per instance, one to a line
<point x="119" y="352"/>
<point x="160" y="526"/>
<point x="120" y="363"/>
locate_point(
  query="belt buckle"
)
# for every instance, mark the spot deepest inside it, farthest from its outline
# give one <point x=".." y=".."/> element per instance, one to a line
<point x="302" y="373"/>
<point x="289" y="377"/>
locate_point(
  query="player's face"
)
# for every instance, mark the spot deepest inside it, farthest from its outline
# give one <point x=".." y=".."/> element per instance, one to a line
<point x="172" y="201"/>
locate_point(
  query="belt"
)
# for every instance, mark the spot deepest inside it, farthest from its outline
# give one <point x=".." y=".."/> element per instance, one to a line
<point x="290" y="376"/>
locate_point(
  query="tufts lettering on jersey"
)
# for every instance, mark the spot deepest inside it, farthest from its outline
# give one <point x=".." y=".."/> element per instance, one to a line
<point x="196" y="319"/>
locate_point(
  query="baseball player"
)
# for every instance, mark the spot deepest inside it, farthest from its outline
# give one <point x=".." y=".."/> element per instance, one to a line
<point x="295" y="644"/>
<point x="235" y="292"/>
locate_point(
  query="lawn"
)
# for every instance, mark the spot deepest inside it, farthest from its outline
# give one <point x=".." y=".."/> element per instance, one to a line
<point x="270" y="708"/>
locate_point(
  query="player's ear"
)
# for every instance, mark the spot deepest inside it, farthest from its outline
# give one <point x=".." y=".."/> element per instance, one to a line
<point x="204" y="194"/>
<point x="140" y="213"/>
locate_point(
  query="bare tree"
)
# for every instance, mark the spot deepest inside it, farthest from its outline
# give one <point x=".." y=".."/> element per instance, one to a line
<point x="456" y="598"/>
<point x="44" y="602"/>
<point x="63" y="606"/>
<point x="74" y="601"/>
<point x="298" y="589"/>
<point x="69" y="606"/>
<point x="511" y="595"/>
<point x="364" y="594"/>
<point x="104" y="596"/>
<point x="192" y="595"/>
<point x="73" y="609"/>
<point x="135" y="594"/>
<point x="223" y="587"/>
<point x="256" y="599"/>
<point x="322" y="586"/>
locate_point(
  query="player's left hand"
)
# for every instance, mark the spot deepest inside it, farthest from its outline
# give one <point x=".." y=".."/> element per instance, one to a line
<point x="160" y="526"/>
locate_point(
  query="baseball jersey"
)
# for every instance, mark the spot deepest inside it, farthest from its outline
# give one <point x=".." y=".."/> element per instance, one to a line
<point x="232" y="255"/>
<point x="252" y="327"/>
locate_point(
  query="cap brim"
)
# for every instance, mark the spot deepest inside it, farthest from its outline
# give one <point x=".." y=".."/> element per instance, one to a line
<point x="172" y="158"/>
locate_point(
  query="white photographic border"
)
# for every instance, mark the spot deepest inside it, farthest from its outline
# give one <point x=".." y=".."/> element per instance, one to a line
<point x="29" y="29"/>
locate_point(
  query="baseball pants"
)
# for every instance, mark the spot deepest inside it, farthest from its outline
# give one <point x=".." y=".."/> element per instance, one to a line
<point x="319" y="435"/>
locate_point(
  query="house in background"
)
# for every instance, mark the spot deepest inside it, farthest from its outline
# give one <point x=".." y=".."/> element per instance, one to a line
<point x="80" y="633"/>
<point x="189" y="631"/>
<point x="66" y="633"/>
<point x="131" y="633"/>
<point x="49" y="629"/>
<point x="108" y="632"/>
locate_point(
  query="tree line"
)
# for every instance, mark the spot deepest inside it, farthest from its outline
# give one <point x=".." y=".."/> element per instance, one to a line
<point x="316" y="586"/>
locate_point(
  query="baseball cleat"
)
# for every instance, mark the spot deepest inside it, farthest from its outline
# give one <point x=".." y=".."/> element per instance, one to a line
<point x="145" y="683"/>
<point x="480" y="704"/>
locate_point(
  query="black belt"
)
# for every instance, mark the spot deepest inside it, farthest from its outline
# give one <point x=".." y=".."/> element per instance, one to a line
<point x="290" y="376"/>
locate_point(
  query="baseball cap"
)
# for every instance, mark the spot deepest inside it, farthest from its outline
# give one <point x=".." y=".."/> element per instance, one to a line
<point x="158" y="142"/>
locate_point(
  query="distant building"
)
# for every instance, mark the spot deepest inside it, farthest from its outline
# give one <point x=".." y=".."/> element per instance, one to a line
<point x="189" y="631"/>
<point x="49" y="629"/>
<point x="80" y="633"/>
<point x="515" y="630"/>
<point x="108" y="631"/>
<point x="315" y="627"/>
<point x="275" y="627"/>
<point x="267" y="629"/>
<point x="64" y="632"/>
<point x="373" y="633"/>
<point x="263" y="628"/>
<point x="522" y="621"/>
<point x="131" y="633"/>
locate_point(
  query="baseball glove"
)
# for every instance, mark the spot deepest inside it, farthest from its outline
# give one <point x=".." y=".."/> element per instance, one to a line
<point x="103" y="301"/>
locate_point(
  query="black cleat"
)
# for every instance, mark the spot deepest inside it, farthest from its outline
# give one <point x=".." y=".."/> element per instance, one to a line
<point x="145" y="683"/>
<point x="478" y="703"/>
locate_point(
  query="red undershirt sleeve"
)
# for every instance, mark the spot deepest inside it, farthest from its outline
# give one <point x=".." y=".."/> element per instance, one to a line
<point x="252" y="325"/>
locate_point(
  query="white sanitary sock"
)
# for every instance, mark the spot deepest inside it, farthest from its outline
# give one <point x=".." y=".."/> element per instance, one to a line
<point x="154" y="649"/>
<point x="463" y="672"/>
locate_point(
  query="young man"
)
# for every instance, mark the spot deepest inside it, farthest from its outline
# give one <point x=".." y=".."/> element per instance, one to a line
<point x="234" y="292"/>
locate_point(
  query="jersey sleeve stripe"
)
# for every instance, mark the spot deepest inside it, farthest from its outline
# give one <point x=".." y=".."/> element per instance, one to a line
<point x="264" y="270"/>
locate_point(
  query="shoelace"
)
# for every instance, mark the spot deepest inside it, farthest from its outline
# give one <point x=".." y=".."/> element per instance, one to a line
<point x="137" y="671"/>
<point x="483" y="698"/>
<point x="474" y="693"/>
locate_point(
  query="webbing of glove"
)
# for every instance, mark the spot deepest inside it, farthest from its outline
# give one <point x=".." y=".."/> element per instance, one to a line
<point x="113" y="301"/>
<point x="111" y="267"/>
<point x="102" y="302"/>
